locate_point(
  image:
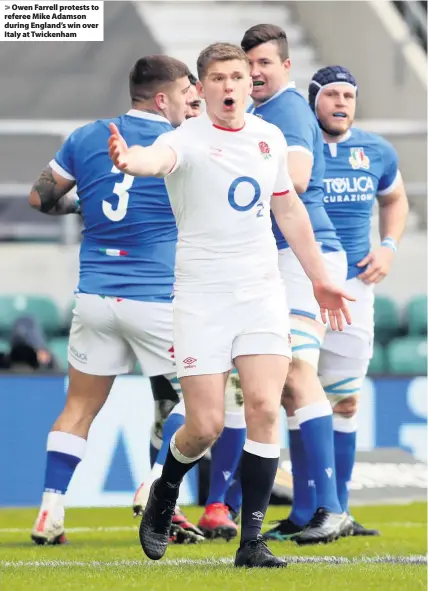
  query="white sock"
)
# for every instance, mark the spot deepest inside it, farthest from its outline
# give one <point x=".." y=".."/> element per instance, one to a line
<point x="313" y="411"/>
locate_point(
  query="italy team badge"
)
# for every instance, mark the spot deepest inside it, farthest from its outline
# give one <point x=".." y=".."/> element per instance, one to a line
<point x="358" y="159"/>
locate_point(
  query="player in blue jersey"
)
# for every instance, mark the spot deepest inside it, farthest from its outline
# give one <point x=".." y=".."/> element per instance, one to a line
<point x="123" y="302"/>
<point x="317" y="514"/>
<point x="361" y="167"/>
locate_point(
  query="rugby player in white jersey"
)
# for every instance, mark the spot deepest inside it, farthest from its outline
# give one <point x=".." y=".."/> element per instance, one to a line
<point x="216" y="520"/>
<point x="224" y="172"/>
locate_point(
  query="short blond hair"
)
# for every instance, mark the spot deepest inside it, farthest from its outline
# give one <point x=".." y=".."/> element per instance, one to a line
<point x="219" y="52"/>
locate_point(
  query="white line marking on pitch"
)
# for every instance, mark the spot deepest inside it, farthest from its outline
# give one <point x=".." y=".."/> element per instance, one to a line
<point x="339" y="560"/>
<point x="124" y="528"/>
<point x="18" y="530"/>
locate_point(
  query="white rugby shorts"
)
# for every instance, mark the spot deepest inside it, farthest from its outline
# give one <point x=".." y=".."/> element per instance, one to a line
<point x="211" y="330"/>
<point x="356" y="340"/>
<point x="300" y="295"/>
<point x="108" y="335"/>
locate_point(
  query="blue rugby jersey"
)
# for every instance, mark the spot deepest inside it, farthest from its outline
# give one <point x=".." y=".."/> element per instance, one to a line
<point x="130" y="234"/>
<point x="289" y="111"/>
<point x="358" y="168"/>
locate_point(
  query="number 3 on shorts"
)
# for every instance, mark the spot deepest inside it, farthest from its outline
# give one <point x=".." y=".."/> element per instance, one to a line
<point x="254" y="201"/>
<point x="121" y="190"/>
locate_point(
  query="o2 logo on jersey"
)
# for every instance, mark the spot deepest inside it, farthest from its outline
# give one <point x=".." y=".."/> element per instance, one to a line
<point x="254" y="201"/>
<point x="121" y="190"/>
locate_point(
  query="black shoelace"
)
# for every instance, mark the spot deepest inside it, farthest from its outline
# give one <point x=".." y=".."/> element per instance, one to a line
<point x="260" y="542"/>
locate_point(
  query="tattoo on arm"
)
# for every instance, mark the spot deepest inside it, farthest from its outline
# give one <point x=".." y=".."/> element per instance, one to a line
<point x="52" y="197"/>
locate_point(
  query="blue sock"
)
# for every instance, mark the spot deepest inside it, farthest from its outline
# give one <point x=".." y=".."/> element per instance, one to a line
<point x="153" y="450"/>
<point x="225" y="456"/>
<point x="64" y="453"/>
<point x="345" y="441"/>
<point x="153" y="454"/>
<point x="234" y="493"/>
<point x="172" y="424"/>
<point x="316" y="428"/>
<point x="304" y="496"/>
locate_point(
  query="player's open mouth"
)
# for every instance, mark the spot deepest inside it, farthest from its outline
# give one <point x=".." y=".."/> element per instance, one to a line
<point x="229" y="103"/>
<point x="340" y="115"/>
<point x="258" y="83"/>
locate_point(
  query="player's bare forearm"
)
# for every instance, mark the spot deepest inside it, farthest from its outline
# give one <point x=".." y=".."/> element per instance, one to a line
<point x="393" y="211"/>
<point x="293" y="221"/>
<point x="151" y="161"/>
<point x="156" y="160"/>
<point x="49" y="194"/>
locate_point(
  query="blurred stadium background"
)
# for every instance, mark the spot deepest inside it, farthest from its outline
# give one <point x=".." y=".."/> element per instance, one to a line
<point x="48" y="89"/>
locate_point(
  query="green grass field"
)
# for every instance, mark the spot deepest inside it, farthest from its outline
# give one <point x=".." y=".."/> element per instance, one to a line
<point x="104" y="554"/>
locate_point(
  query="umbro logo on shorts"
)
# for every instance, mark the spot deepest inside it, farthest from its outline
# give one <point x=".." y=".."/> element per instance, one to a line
<point x="79" y="356"/>
<point x="189" y="362"/>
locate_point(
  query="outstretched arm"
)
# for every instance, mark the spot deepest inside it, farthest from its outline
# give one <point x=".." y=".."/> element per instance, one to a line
<point x="156" y="160"/>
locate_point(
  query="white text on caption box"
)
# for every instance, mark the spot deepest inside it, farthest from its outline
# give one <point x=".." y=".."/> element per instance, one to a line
<point x="51" y="21"/>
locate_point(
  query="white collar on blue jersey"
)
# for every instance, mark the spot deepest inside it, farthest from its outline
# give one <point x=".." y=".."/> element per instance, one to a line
<point x="343" y="139"/>
<point x="147" y="116"/>
<point x="280" y="91"/>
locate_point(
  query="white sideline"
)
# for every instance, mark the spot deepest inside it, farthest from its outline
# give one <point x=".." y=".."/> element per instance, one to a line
<point x="415" y="559"/>
<point x="18" y="530"/>
<point x="125" y="528"/>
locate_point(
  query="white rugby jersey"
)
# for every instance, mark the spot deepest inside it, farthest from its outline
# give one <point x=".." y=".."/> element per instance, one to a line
<point x="220" y="190"/>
